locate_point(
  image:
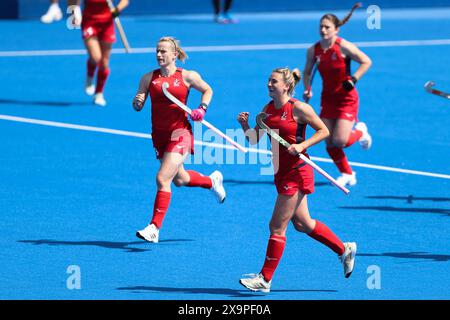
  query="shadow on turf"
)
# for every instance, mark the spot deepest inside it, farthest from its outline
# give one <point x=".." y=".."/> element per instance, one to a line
<point x="221" y="291"/>
<point x="267" y="182"/>
<point x="43" y="103"/>
<point x="102" y="244"/>
<point x="410" y="198"/>
<point x="412" y="210"/>
<point x="409" y="255"/>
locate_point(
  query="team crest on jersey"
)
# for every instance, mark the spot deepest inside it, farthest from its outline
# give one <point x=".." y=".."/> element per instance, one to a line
<point x="176" y="83"/>
<point x="334" y="56"/>
<point x="283" y="116"/>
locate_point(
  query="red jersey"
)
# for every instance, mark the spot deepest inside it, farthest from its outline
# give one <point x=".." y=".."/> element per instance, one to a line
<point x="166" y="115"/>
<point x="334" y="69"/>
<point x="97" y="10"/>
<point x="290" y="130"/>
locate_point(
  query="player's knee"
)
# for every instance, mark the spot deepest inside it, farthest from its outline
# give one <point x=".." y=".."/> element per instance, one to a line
<point x="299" y="227"/>
<point x="276" y="228"/>
<point x="339" y="142"/>
<point x="179" y="182"/>
<point x="305" y="226"/>
<point x="162" y="181"/>
<point x="104" y="63"/>
<point x="96" y="60"/>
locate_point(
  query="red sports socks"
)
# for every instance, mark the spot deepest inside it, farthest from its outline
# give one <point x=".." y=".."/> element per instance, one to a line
<point x="160" y="207"/>
<point x="324" y="235"/>
<point x="275" y="249"/>
<point x="355" y="135"/>
<point x="198" y="180"/>
<point x="339" y="159"/>
<point x="102" y="75"/>
<point x="91" y="67"/>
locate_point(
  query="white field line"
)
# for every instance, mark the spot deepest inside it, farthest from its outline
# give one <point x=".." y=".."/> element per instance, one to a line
<point x="201" y="143"/>
<point x="225" y="48"/>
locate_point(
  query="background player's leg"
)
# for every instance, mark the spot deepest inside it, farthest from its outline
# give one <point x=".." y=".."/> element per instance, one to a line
<point x="339" y="132"/>
<point x="95" y="54"/>
<point x="102" y="73"/>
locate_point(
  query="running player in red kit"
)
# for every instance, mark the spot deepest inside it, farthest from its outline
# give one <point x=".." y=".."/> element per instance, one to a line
<point x="97" y="28"/>
<point x="171" y="131"/>
<point x="294" y="179"/>
<point x="339" y="100"/>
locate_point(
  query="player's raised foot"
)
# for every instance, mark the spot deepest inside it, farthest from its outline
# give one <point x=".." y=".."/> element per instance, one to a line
<point x="150" y="233"/>
<point x="347" y="179"/>
<point x="348" y="258"/>
<point x="99" y="99"/>
<point x="53" y="13"/>
<point x="366" y="140"/>
<point x="89" y="86"/>
<point x="217" y="186"/>
<point x="256" y="283"/>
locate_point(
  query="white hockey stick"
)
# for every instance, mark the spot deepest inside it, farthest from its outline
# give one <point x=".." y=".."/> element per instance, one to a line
<point x="123" y="37"/>
<point x="171" y="97"/>
<point x="429" y="88"/>
<point x="259" y="119"/>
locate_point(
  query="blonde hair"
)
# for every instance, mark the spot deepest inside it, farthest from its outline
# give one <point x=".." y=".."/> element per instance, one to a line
<point x="291" y="78"/>
<point x="335" y="20"/>
<point x="181" y="55"/>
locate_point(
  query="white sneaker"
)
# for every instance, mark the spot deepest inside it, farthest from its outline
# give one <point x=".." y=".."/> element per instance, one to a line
<point x="347" y="179"/>
<point x="89" y="86"/>
<point x="256" y="283"/>
<point x="99" y="99"/>
<point x="54" y="13"/>
<point x="366" y="140"/>
<point x="217" y="186"/>
<point x="348" y="258"/>
<point x="150" y="233"/>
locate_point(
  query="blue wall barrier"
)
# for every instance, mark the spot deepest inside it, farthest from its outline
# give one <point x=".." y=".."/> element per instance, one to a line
<point x="32" y="9"/>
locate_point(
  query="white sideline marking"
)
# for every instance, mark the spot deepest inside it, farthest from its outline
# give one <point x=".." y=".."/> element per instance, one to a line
<point x="201" y="143"/>
<point x="225" y="48"/>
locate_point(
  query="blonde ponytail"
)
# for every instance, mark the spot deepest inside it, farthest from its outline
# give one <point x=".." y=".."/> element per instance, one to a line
<point x="181" y="54"/>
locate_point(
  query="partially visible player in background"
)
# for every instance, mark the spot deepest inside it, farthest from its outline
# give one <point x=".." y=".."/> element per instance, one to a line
<point x="339" y="100"/>
<point x="171" y="131"/>
<point x="221" y="15"/>
<point x="98" y="34"/>
<point x="54" y="12"/>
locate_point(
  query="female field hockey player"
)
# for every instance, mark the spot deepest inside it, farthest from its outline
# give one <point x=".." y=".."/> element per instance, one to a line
<point x="97" y="28"/>
<point x="171" y="131"/>
<point x="294" y="179"/>
<point x="339" y="100"/>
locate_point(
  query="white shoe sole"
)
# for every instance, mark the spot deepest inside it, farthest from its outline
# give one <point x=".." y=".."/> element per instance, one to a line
<point x="145" y="239"/>
<point x="254" y="290"/>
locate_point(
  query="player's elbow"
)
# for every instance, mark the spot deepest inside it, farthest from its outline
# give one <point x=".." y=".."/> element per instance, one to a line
<point x="325" y="132"/>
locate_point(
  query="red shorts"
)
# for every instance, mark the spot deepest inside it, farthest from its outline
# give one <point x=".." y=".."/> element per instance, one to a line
<point x="103" y="30"/>
<point x="298" y="179"/>
<point x="179" y="141"/>
<point x="345" y="107"/>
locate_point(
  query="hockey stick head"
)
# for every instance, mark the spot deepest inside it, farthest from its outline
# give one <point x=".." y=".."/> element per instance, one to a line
<point x="428" y="86"/>
<point x="261" y="117"/>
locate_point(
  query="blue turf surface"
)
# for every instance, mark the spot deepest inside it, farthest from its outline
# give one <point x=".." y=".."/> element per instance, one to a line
<point x="71" y="197"/>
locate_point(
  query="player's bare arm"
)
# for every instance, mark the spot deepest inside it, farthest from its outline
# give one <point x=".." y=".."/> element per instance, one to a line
<point x="194" y="80"/>
<point x="352" y="51"/>
<point x="142" y="92"/>
<point x="305" y="114"/>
